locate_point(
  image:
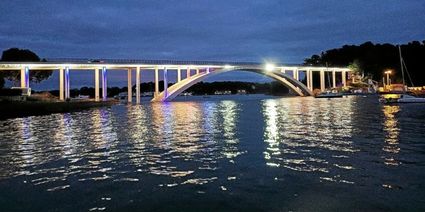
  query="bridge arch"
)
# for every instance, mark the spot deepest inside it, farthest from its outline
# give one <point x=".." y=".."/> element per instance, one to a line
<point x="173" y="91"/>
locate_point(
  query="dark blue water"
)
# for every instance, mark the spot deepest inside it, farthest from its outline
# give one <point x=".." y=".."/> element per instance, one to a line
<point x="242" y="154"/>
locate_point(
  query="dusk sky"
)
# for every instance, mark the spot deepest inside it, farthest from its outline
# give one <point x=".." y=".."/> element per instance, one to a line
<point x="224" y="30"/>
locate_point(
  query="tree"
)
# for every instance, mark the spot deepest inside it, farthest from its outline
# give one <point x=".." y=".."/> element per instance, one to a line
<point x="2" y="80"/>
<point x="314" y="60"/>
<point x="373" y="59"/>
<point x="22" y="55"/>
<point x="356" y="67"/>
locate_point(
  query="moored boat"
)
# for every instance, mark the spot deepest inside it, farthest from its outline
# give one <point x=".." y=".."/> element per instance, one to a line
<point x="401" y="95"/>
<point x="400" y="98"/>
<point x="329" y="94"/>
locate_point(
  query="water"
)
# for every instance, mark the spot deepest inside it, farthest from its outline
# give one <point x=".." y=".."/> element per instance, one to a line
<point x="243" y="154"/>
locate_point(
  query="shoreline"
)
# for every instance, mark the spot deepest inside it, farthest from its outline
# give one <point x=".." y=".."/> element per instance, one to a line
<point x="19" y="109"/>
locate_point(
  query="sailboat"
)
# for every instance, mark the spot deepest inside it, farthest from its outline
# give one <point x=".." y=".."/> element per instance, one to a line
<point x="401" y="97"/>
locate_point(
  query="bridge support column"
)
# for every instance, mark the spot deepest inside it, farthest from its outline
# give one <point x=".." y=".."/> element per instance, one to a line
<point x="344" y="79"/>
<point x="197" y="71"/>
<point x="311" y="80"/>
<point x="138" y="85"/>
<point x="61" y="86"/>
<point x="67" y="84"/>
<point x="208" y="70"/>
<point x="25" y="79"/>
<point x="307" y="77"/>
<point x="322" y="80"/>
<point x="333" y="79"/>
<point x="187" y="73"/>
<point x="296" y="74"/>
<point x="104" y="84"/>
<point x="179" y="74"/>
<point x="165" y="82"/>
<point x="156" y="82"/>
<point x="129" y="86"/>
<point x="96" y="85"/>
<point x="282" y="70"/>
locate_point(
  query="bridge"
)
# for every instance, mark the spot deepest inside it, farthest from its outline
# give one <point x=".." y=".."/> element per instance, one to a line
<point x="288" y="75"/>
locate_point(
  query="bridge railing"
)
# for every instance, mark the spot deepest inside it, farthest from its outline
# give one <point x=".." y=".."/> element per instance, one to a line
<point x="165" y="62"/>
<point x="148" y="61"/>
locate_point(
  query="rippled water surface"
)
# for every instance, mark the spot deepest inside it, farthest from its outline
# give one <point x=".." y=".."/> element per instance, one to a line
<point x="245" y="154"/>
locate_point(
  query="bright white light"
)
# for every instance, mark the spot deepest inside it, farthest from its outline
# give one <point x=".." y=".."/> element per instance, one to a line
<point x="228" y="67"/>
<point x="270" y="67"/>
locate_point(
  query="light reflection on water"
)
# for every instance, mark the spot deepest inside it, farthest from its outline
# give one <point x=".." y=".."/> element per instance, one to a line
<point x="392" y="134"/>
<point x="309" y="138"/>
<point x="204" y="148"/>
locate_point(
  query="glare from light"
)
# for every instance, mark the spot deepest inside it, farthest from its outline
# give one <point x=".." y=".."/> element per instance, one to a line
<point x="388" y="72"/>
<point x="228" y="67"/>
<point x="270" y="67"/>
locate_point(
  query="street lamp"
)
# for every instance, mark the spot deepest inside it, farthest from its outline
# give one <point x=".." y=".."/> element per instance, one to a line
<point x="388" y="72"/>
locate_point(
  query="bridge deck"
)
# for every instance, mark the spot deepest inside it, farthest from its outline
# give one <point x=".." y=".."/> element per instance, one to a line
<point x="57" y="63"/>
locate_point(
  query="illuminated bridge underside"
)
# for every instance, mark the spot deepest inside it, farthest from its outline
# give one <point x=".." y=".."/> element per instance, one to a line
<point x="176" y="89"/>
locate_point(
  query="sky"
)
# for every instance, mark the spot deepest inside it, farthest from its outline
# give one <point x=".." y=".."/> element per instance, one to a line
<point x="285" y="31"/>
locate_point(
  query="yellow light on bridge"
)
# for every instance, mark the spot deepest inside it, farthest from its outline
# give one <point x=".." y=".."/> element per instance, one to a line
<point x="388" y="72"/>
<point x="270" y="67"/>
<point x="228" y="67"/>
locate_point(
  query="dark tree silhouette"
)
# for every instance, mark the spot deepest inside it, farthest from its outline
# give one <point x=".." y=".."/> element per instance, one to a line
<point x="374" y="59"/>
<point x="22" y="55"/>
<point x="2" y="76"/>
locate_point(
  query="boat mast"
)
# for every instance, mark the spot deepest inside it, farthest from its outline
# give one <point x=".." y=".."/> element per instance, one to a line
<point x="401" y="64"/>
<point x="327" y="75"/>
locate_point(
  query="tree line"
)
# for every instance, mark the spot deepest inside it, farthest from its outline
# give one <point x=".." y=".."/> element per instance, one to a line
<point x="373" y="59"/>
<point x="202" y="88"/>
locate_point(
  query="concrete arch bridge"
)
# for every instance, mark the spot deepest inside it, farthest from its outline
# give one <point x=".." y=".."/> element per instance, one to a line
<point x="287" y="75"/>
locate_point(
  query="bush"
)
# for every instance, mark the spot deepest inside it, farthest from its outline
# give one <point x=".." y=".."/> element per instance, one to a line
<point x="10" y="92"/>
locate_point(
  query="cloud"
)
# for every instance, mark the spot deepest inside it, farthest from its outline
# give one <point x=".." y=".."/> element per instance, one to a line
<point x="204" y="30"/>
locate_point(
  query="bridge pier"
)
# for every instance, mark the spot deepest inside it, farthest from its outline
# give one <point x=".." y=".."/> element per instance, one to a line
<point x="96" y="85"/>
<point x="333" y="79"/>
<point x="197" y="71"/>
<point x="25" y="79"/>
<point x="104" y="84"/>
<point x="311" y="80"/>
<point x="296" y="74"/>
<point x="344" y="79"/>
<point x="156" y="82"/>
<point x="165" y="82"/>
<point x="137" y="86"/>
<point x="67" y="83"/>
<point x="322" y="80"/>
<point x="308" y="78"/>
<point x="129" y="86"/>
<point x="187" y="73"/>
<point x="61" y="86"/>
<point x="179" y="74"/>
